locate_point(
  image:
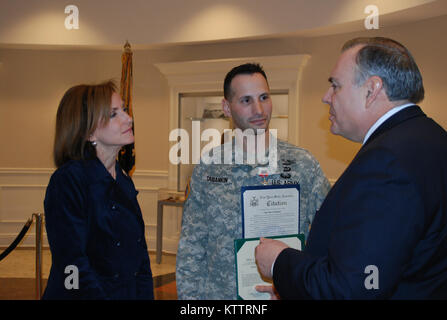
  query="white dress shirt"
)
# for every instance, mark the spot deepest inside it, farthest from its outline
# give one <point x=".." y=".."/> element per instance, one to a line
<point x="385" y="117"/>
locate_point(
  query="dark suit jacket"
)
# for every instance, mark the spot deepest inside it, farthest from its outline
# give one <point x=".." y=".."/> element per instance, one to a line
<point x="388" y="210"/>
<point x="94" y="222"/>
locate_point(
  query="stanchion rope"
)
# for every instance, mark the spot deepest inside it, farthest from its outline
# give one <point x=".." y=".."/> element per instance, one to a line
<point x="17" y="240"/>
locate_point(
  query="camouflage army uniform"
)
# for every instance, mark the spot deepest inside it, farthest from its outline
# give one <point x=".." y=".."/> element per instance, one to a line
<point x="212" y="218"/>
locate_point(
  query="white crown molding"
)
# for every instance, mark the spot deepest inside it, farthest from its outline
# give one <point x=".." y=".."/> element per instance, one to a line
<point x="284" y="68"/>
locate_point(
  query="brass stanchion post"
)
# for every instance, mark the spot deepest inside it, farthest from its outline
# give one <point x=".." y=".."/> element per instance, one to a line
<point x="38" y="217"/>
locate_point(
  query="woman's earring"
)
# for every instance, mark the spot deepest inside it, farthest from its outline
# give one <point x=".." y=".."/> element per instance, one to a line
<point x="94" y="143"/>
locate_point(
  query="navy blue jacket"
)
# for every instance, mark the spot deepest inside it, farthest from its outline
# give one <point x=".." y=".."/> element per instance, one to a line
<point x="388" y="210"/>
<point x="94" y="222"/>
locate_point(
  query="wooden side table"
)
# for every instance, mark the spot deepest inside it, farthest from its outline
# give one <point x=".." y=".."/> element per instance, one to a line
<point x="161" y="203"/>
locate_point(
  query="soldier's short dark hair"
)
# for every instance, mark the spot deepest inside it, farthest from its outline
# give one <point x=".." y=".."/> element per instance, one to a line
<point x="247" y="68"/>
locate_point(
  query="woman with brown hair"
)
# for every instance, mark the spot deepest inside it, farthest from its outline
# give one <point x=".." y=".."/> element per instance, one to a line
<point x="94" y="223"/>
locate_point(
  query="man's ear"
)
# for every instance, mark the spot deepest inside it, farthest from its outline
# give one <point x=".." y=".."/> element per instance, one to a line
<point x="374" y="86"/>
<point x="226" y="108"/>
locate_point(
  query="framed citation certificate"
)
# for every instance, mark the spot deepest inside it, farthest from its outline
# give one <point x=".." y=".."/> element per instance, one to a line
<point x="247" y="274"/>
<point x="270" y="210"/>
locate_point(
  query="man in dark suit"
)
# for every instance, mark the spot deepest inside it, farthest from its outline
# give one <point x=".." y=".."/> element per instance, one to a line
<point x="381" y="232"/>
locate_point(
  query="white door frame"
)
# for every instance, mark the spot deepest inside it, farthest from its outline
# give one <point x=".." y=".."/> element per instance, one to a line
<point x="283" y="73"/>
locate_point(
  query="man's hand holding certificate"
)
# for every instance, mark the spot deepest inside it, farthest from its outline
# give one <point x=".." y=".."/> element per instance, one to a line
<point x="248" y="274"/>
<point x="266" y="253"/>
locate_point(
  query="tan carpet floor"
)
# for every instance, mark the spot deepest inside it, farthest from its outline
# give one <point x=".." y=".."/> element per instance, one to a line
<point x="17" y="275"/>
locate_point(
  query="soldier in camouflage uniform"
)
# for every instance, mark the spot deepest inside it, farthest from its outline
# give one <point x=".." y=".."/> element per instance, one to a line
<point x="212" y="216"/>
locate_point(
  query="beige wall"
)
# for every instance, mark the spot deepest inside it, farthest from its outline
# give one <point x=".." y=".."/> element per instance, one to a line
<point x="32" y="82"/>
<point x="31" y="85"/>
<point x="429" y="49"/>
